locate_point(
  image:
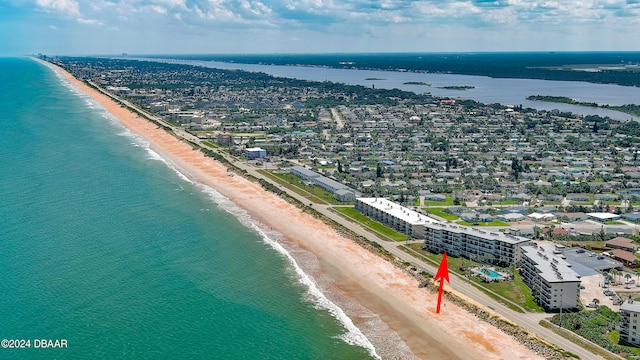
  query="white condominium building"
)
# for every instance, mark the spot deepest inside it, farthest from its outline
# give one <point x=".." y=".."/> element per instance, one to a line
<point x="396" y="216"/>
<point x="553" y="282"/>
<point x="472" y="243"/>
<point x="630" y="322"/>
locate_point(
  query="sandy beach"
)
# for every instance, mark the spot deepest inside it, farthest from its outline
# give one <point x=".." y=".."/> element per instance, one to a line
<point x="346" y="272"/>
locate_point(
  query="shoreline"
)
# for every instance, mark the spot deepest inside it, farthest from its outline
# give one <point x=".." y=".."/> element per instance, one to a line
<point x="344" y="267"/>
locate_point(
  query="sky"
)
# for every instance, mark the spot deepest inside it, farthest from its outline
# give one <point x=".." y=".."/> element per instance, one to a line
<point x="92" y="27"/>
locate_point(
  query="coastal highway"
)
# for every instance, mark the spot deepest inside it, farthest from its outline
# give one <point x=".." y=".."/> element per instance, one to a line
<point x="528" y="321"/>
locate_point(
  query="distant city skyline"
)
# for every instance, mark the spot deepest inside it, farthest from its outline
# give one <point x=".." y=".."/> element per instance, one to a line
<point x="83" y="27"/>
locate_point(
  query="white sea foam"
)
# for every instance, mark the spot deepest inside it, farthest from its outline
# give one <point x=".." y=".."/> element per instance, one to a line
<point x="353" y="335"/>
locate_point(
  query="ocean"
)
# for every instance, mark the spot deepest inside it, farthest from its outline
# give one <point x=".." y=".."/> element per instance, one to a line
<point x="104" y="245"/>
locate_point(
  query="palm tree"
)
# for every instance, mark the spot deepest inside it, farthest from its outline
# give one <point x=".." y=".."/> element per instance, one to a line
<point x="614" y="273"/>
<point x="609" y="278"/>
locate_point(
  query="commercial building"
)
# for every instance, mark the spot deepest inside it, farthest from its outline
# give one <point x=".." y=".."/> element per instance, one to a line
<point x="554" y="285"/>
<point x="254" y="153"/>
<point x="629" y="322"/>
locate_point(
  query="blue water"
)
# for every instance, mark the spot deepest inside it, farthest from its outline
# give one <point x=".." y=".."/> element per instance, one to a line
<point x="106" y="246"/>
<point x="493" y="274"/>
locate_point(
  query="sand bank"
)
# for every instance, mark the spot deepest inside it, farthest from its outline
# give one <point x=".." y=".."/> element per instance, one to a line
<point x="345" y="269"/>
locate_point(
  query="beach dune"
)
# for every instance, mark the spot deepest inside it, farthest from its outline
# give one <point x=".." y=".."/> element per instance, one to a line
<point x="347" y="272"/>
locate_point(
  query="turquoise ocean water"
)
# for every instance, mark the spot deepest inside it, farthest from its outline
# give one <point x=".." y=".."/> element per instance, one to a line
<point x="106" y="246"/>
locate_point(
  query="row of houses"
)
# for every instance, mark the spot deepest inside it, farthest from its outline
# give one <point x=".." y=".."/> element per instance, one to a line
<point x="624" y="250"/>
<point x="552" y="281"/>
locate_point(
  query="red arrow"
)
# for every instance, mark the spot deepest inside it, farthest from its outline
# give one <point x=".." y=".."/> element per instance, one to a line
<point x="442" y="274"/>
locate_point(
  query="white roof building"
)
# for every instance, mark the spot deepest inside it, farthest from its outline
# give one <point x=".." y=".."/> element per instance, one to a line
<point x="553" y="282"/>
<point x="541" y="216"/>
<point x="602" y="216"/>
<point x="396" y="216"/>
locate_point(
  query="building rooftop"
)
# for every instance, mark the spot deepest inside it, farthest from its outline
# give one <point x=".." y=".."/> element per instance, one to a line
<point x="485" y="234"/>
<point x="630" y="305"/>
<point x="604" y="216"/>
<point x="551" y="267"/>
<point x="398" y="211"/>
<point x="621" y="242"/>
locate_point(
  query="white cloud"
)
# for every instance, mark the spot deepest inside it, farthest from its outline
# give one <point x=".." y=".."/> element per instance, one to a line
<point x="89" y="21"/>
<point x="69" y="7"/>
<point x="368" y="22"/>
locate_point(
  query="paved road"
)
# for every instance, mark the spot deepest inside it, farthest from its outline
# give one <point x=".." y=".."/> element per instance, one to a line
<point x="528" y="321"/>
<point x="335" y="114"/>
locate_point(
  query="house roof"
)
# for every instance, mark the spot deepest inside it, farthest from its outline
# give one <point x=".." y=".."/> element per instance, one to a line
<point x="539" y="216"/>
<point x="624" y="255"/>
<point x="604" y="216"/>
<point x="631" y="216"/>
<point x="622" y="242"/>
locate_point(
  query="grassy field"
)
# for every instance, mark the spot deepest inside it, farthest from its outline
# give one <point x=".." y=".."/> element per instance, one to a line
<point x="211" y="145"/>
<point x="447" y="202"/>
<point x="515" y="291"/>
<point x="491" y="223"/>
<point x="440" y="213"/>
<point x="507" y="202"/>
<point x="382" y="230"/>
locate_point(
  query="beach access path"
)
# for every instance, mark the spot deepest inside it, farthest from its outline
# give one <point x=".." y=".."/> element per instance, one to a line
<point x="530" y="322"/>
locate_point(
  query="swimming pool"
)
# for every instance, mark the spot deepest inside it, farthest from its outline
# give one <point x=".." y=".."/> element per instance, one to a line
<point x="489" y="274"/>
<point x="492" y="274"/>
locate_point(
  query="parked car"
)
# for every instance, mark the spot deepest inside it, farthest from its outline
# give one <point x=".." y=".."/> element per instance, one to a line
<point x="617" y="301"/>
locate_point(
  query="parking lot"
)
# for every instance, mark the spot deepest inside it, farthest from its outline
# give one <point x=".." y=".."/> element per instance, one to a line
<point x="587" y="263"/>
<point x="593" y="289"/>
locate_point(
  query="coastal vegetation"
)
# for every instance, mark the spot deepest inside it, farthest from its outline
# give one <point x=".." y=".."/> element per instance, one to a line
<point x="597" y="326"/>
<point x="582" y="342"/>
<point x="457" y="87"/>
<point x="561" y="100"/>
<point x="631" y="109"/>
<point x="416" y="83"/>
